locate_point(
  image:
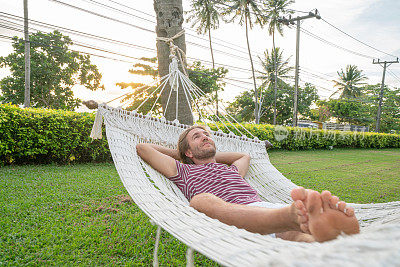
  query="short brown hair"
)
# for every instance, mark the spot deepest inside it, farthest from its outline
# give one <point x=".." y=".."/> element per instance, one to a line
<point x="183" y="144"/>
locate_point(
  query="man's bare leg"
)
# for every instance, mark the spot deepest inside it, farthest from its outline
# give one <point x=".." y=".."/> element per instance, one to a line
<point x="254" y="219"/>
<point x="325" y="224"/>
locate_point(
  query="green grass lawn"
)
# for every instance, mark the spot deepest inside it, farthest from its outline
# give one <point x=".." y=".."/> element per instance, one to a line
<point x="81" y="215"/>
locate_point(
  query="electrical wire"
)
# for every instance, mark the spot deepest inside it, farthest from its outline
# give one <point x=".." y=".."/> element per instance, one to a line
<point x="393" y="75"/>
<point x="151" y="21"/>
<point x="135" y="26"/>
<point x="333" y="26"/>
<point x="127" y="44"/>
<point x="334" y="45"/>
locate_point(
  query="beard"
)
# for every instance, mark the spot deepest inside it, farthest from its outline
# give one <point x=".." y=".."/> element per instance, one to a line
<point x="205" y="152"/>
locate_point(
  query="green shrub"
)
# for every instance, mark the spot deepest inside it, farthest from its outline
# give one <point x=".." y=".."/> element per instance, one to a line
<point x="295" y="138"/>
<point x="45" y="136"/>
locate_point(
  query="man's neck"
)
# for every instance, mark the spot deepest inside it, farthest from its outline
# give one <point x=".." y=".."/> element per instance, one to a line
<point x="204" y="161"/>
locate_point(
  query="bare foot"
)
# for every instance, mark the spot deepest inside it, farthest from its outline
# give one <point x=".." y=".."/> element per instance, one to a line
<point x="295" y="236"/>
<point x="299" y="196"/>
<point x="327" y="220"/>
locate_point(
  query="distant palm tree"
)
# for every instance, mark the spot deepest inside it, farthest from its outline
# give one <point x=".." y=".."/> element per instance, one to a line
<point x="349" y="82"/>
<point x="205" y="15"/>
<point x="275" y="68"/>
<point x="275" y="10"/>
<point x="248" y="12"/>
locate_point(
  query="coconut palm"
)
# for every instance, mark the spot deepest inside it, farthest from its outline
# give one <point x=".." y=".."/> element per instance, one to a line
<point x="275" y="68"/>
<point x="349" y="82"/>
<point x="248" y="12"/>
<point x="276" y="9"/>
<point x="205" y="16"/>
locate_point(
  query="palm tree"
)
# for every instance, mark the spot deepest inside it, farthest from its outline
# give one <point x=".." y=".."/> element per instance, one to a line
<point x="205" y="14"/>
<point x="349" y="82"/>
<point x="275" y="68"/>
<point x="276" y="9"/>
<point x="248" y="12"/>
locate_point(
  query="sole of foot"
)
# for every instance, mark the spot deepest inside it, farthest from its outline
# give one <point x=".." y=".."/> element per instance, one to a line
<point x="326" y="220"/>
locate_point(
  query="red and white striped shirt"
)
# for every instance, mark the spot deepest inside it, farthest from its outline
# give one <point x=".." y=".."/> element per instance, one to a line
<point x="218" y="179"/>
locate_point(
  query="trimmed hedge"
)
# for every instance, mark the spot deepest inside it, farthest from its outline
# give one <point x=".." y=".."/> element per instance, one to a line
<point x="45" y="136"/>
<point x="56" y="136"/>
<point x="295" y="138"/>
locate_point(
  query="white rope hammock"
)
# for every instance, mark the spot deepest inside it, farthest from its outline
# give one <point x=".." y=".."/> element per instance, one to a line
<point x="378" y="244"/>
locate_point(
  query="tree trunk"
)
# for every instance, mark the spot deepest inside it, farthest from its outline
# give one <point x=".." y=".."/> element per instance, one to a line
<point x="169" y="15"/>
<point x="27" y="99"/>
<point x="213" y="66"/>
<point x="276" y="74"/>
<point x="256" y="110"/>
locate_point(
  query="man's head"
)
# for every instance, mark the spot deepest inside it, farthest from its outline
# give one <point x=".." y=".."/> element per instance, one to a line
<point x="196" y="143"/>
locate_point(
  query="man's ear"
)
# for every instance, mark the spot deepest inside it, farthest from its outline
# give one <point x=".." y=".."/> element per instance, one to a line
<point x="189" y="154"/>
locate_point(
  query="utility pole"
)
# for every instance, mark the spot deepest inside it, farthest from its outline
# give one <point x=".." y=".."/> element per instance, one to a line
<point x="296" y="83"/>
<point x="27" y="100"/>
<point x="385" y="65"/>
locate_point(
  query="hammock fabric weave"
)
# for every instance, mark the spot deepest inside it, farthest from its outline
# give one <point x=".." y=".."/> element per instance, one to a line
<point x="378" y="244"/>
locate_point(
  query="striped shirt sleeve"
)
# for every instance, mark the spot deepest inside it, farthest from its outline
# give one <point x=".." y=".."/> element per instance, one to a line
<point x="180" y="179"/>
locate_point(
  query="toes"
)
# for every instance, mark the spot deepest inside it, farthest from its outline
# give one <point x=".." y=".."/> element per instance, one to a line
<point x="334" y="201"/>
<point x="304" y="228"/>
<point x="326" y="198"/>
<point x="349" y="211"/>
<point x="300" y="205"/>
<point x="341" y="206"/>
<point x="301" y="210"/>
<point x="298" y="194"/>
<point x="314" y="203"/>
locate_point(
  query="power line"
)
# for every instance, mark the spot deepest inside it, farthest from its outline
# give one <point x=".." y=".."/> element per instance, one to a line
<point x="226" y="78"/>
<point x="334" y="45"/>
<point x="214" y="38"/>
<point x="125" y="43"/>
<point x="86" y="35"/>
<point x="393" y="75"/>
<point x="317" y="72"/>
<point x="333" y="26"/>
<point x="102" y="50"/>
<point x="102" y="16"/>
<point x="87" y="53"/>
<point x="81" y="44"/>
<point x="130" y="14"/>
<point x="135" y="26"/>
<point x="315" y="75"/>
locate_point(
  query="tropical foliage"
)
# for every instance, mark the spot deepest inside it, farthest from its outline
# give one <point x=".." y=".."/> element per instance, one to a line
<point x="205" y="16"/>
<point x="209" y="82"/>
<point x="248" y="12"/>
<point x="276" y="9"/>
<point x="55" y="69"/>
<point x="363" y="109"/>
<point x="269" y="62"/>
<point x="243" y="105"/>
<point x="56" y="136"/>
<point x="350" y="82"/>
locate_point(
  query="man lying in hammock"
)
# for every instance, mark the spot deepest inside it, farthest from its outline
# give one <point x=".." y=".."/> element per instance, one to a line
<point x="213" y="183"/>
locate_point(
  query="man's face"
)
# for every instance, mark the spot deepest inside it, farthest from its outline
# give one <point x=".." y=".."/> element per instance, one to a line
<point x="201" y="146"/>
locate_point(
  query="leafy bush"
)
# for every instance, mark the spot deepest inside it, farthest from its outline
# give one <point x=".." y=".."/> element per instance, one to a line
<point x="45" y="136"/>
<point x="295" y="138"/>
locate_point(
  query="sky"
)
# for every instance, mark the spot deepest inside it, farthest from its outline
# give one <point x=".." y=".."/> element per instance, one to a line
<point x="373" y="22"/>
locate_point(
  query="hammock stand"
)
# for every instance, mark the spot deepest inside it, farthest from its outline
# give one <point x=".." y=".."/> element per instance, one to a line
<point x="378" y="243"/>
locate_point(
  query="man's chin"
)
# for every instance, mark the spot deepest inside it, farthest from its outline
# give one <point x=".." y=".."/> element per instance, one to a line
<point x="209" y="154"/>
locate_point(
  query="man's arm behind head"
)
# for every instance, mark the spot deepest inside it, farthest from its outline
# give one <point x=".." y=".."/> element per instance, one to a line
<point x="240" y="160"/>
<point x="160" y="158"/>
